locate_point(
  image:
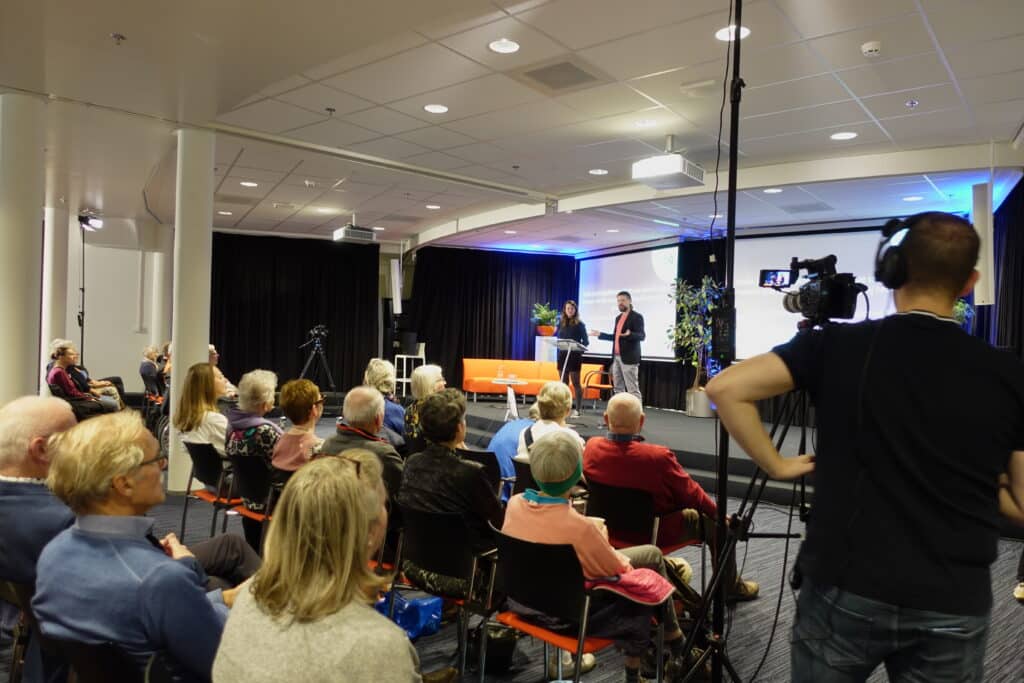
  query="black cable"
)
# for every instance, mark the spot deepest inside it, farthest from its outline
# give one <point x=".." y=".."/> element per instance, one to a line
<point x="721" y="124"/>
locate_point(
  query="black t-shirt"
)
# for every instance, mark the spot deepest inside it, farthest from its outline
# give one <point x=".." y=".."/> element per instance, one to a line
<point x="916" y="420"/>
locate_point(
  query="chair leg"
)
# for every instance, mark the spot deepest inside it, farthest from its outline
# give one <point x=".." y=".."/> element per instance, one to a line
<point x="659" y="652"/>
<point x="463" y="640"/>
<point x="213" y="522"/>
<point x="483" y="648"/>
<point x="580" y="640"/>
<point x="224" y="522"/>
<point x="544" y="643"/>
<point x="184" y="508"/>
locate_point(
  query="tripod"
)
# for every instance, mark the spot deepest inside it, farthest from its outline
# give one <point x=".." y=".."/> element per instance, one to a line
<point x="317" y="352"/>
<point x="794" y="409"/>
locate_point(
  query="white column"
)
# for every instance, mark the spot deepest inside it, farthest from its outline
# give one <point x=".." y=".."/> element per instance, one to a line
<point x="162" y="288"/>
<point x="22" y="186"/>
<point x="193" y="248"/>
<point x="55" y="285"/>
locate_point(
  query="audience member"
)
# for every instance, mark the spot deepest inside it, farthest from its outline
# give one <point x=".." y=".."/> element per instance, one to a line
<point x="363" y="411"/>
<point x="438" y="480"/>
<point x="302" y="405"/>
<point x="164" y="363"/>
<point x="380" y="374"/>
<point x="197" y="417"/>
<point x="546" y="516"/>
<point x="570" y="327"/>
<point x="425" y="380"/>
<point x="623" y="458"/>
<point x="505" y="444"/>
<point x="65" y="356"/>
<point x="230" y="390"/>
<point x="308" y="616"/>
<point x="554" y="403"/>
<point x="149" y="370"/>
<point x="107" y="579"/>
<point x="109" y="390"/>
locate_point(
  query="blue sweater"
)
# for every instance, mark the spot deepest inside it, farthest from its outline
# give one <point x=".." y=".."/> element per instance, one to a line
<point x="504" y="445"/>
<point x="103" y="581"/>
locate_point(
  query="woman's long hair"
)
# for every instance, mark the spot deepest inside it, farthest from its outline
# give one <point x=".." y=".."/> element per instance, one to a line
<point x="198" y="396"/>
<point x="566" y="321"/>
<point x="316" y="558"/>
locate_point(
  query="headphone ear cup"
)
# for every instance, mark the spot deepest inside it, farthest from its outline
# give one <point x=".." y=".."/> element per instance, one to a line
<point x="891" y="268"/>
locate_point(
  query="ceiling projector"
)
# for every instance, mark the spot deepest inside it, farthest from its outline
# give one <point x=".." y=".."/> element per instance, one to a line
<point x="668" y="172"/>
<point x="354" y="233"/>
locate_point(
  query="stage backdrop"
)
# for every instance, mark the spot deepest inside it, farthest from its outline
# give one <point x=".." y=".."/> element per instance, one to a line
<point x="476" y="304"/>
<point x="1003" y="324"/>
<point x="268" y="292"/>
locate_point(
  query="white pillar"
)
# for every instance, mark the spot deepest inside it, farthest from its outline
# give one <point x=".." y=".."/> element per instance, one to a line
<point x="162" y="288"/>
<point x="193" y="251"/>
<point x="55" y="285"/>
<point x="22" y="187"/>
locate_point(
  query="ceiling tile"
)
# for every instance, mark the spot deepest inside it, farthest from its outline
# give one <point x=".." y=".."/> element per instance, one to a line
<point x="480" y="152"/>
<point x="928" y="99"/>
<point x="496" y="91"/>
<point x="379" y="50"/>
<point x="996" y="88"/>
<point x="819" y="17"/>
<point x="316" y="97"/>
<point x="517" y="120"/>
<point x="270" y="116"/>
<point x="389" y="148"/>
<point x="902" y="37"/>
<point x="517" y="6"/>
<point x="805" y="92"/>
<point x="438" y="160"/>
<point x="933" y="125"/>
<point x="421" y="69"/>
<point x="436" y="137"/>
<point x="605" y="100"/>
<point x="988" y="57"/>
<point x="780" y="63"/>
<point x="384" y="120"/>
<point x="815" y="143"/>
<point x="227" y="149"/>
<point x="258" y="175"/>
<point x="971" y="21"/>
<point x="797" y="120"/>
<point x="459" y="22"/>
<point x="292" y="193"/>
<point x="534" y="46"/>
<point x="900" y="74"/>
<point x="284" y="85"/>
<point x="333" y="133"/>
<point x="1000" y="120"/>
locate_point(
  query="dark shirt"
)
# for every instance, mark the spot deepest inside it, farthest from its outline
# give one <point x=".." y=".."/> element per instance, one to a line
<point x="629" y="346"/>
<point x="916" y="421"/>
<point x="438" y="480"/>
<point x="577" y="333"/>
<point x="151" y="378"/>
<point x="346" y="437"/>
<point x="414" y="439"/>
<point x="30" y="516"/>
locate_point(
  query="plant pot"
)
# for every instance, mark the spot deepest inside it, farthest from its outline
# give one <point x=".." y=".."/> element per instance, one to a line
<point x="698" y="404"/>
<point x="546" y="330"/>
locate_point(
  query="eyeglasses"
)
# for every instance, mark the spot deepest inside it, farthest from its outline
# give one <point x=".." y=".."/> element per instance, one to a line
<point x="161" y="460"/>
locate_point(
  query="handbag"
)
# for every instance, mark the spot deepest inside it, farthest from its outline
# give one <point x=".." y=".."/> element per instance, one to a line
<point x="416" y="616"/>
<point x="501" y="647"/>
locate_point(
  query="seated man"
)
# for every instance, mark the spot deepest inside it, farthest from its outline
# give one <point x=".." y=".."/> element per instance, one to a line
<point x="107" y="578"/>
<point x="230" y="390"/>
<point x="622" y="458"/>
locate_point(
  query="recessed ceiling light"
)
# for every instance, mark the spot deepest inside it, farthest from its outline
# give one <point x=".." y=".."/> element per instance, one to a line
<point x="714" y="215"/>
<point x="433" y="207"/>
<point x="772" y="190"/>
<point x="95" y="222"/>
<point x="378" y="228"/>
<point x="248" y="183"/>
<point x="510" y="232"/>
<point x="913" y="198"/>
<point x="435" y="108"/>
<point x="645" y="123"/>
<point x="223" y="213"/>
<point x="911" y="104"/>
<point x="845" y="135"/>
<point x="598" y="171"/>
<point x="728" y="34"/>
<point x="504" y="46"/>
<point x="611" y="230"/>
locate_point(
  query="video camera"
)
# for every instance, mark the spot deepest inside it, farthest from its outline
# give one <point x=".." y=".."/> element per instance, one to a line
<point x="825" y="296"/>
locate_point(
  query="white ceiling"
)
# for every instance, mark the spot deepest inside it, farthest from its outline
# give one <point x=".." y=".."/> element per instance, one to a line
<point x="654" y="60"/>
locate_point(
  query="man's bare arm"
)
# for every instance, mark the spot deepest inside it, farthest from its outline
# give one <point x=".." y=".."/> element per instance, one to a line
<point x="1011" y="489"/>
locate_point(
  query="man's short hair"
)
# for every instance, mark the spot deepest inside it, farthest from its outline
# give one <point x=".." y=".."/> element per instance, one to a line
<point x="25" y="418"/>
<point x="441" y="413"/>
<point x="363" y="405"/>
<point x="624" y="413"/>
<point x="625" y="294"/>
<point x="298" y="398"/>
<point x="941" y="251"/>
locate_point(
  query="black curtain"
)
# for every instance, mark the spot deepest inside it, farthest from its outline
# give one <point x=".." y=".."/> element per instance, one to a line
<point x="268" y="292"/>
<point x="477" y="304"/>
<point x="1003" y="323"/>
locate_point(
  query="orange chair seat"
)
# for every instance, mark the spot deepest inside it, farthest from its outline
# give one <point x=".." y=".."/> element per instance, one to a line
<point x="562" y="642"/>
<point x="207" y="497"/>
<point x="246" y="512"/>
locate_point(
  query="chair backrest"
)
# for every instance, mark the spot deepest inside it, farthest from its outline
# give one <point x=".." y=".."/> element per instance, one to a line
<point x="524" y="477"/>
<point x="624" y="510"/>
<point x="19" y="595"/>
<point x="488" y="460"/>
<point x="251" y="477"/>
<point x="544" y="577"/>
<point x="437" y="542"/>
<point x="100" y="663"/>
<point x="207" y="464"/>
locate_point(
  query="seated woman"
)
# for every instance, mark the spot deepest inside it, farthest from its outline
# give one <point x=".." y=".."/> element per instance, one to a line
<point x="83" y="403"/>
<point x="307" y="618"/>
<point x="149" y="371"/>
<point x="107" y="578"/>
<point x="197" y="417"/>
<point x="302" y="405"/>
<point x="546" y="516"/>
<point x="425" y="380"/>
<point x="438" y="480"/>
<point x="554" y="403"/>
<point x="380" y="374"/>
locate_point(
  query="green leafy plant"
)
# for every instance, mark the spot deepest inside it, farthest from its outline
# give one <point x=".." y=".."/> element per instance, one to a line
<point x="692" y="331"/>
<point x="543" y="314"/>
<point x="963" y="313"/>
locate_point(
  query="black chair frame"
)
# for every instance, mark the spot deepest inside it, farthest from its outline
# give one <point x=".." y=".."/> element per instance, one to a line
<point x="208" y="468"/>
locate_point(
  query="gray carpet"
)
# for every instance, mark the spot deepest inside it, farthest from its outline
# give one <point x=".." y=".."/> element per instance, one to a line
<point x="751" y="622"/>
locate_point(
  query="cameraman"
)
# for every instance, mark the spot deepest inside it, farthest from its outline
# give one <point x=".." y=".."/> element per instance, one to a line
<point x="921" y="446"/>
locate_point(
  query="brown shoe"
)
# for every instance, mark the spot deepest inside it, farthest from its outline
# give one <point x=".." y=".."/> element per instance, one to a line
<point x="743" y="591"/>
<point x="445" y="675"/>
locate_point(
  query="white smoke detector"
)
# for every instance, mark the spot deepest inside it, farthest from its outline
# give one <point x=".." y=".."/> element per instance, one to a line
<point x="872" y="48"/>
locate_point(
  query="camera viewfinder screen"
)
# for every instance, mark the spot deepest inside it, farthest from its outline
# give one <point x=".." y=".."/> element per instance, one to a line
<point x="775" y="278"/>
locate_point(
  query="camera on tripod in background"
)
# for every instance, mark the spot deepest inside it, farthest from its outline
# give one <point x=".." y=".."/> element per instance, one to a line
<point x="825" y="296"/>
<point x="319" y="332"/>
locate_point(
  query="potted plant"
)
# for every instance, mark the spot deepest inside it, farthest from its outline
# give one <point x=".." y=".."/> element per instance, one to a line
<point x="544" y="317"/>
<point x="963" y="313"/>
<point x="692" y="335"/>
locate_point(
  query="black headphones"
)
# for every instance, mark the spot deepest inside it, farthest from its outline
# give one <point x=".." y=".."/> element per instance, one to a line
<point x="891" y="259"/>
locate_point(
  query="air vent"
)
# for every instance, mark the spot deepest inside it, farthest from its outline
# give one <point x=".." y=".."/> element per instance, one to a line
<point x="234" y="199"/>
<point x="560" y="76"/>
<point x="287" y="206"/>
<point x="811" y="207"/>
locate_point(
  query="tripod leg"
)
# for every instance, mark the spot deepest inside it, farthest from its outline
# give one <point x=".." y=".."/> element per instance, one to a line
<point x="305" y="368"/>
<point x="323" y="362"/>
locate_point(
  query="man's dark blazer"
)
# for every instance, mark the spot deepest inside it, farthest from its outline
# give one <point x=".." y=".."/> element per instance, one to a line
<point x="629" y="347"/>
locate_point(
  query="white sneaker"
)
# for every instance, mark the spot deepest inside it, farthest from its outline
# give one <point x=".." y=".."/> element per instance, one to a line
<point x="1018" y="592"/>
<point x="568" y="668"/>
<point x="575" y="415"/>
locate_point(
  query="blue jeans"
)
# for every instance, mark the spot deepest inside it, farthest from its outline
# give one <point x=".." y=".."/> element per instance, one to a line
<point x="840" y="637"/>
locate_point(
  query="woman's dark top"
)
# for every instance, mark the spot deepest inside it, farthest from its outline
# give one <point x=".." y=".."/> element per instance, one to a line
<point x="578" y="333"/>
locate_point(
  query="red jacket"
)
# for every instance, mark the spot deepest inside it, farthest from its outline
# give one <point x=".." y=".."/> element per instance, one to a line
<point x="652" y="468"/>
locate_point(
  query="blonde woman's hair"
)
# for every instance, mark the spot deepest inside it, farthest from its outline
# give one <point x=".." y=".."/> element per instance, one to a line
<point x="554" y="401"/>
<point x="316" y="555"/>
<point x="198" y="397"/>
<point x="58" y="346"/>
<point x="425" y="379"/>
<point x="255" y="389"/>
<point x="380" y="374"/>
<point x="85" y="459"/>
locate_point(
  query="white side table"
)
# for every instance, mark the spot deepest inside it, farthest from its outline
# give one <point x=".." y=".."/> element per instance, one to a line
<point x="512" y="413"/>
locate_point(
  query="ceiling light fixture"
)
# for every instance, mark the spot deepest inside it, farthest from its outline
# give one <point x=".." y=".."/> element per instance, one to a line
<point x="248" y="183"/>
<point x="612" y="230"/>
<point x="913" y="198"/>
<point x="378" y="228"/>
<point x="845" y="135"/>
<point x="504" y="46"/>
<point x="510" y="232"/>
<point x="435" y="108"/>
<point x="772" y="190"/>
<point x="224" y="213"/>
<point x="911" y="104"/>
<point x="96" y="223"/>
<point x="728" y="34"/>
<point x="714" y="215"/>
<point x="433" y="207"/>
<point x="598" y="171"/>
<point x="326" y="209"/>
<point x="645" y="123"/>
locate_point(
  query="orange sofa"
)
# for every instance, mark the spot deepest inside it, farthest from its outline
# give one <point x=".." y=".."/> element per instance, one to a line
<point x="478" y="375"/>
